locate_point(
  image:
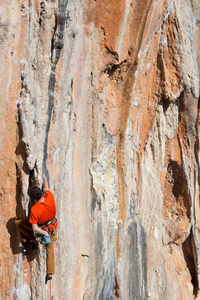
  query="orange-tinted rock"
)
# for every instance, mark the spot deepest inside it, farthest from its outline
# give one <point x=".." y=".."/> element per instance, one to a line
<point x="102" y="97"/>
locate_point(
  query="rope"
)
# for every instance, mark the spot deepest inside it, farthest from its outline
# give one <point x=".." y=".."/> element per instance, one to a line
<point x="50" y="289"/>
<point x="51" y="296"/>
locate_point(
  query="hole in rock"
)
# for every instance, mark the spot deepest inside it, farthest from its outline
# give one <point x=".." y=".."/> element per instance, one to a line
<point x="116" y="288"/>
<point x="176" y="198"/>
<point x="165" y="104"/>
<point x="22" y="8"/>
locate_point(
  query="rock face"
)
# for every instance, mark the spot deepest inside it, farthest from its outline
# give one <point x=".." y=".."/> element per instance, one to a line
<point x="103" y="98"/>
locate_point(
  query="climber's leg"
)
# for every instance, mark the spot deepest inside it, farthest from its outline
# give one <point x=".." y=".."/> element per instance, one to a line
<point x="50" y="256"/>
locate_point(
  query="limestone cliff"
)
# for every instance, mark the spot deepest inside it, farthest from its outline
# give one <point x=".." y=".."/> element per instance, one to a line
<point x="103" y="98"/>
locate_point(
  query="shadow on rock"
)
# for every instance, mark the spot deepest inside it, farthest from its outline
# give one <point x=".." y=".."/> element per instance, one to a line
<point x="28" y="249"/>
<point x="14" y="236"/>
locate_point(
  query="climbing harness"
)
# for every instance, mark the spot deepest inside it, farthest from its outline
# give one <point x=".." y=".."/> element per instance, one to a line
<point x="49" y="226"/>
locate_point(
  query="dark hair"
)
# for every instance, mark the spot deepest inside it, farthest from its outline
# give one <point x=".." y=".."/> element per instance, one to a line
<point x="36" y="193"/>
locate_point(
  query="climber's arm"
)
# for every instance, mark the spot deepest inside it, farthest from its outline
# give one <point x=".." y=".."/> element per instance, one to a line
<point x="46" y="186"/>
<point x="39" y="230"/>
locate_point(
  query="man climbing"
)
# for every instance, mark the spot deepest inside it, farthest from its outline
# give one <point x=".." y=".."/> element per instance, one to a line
<point x="42" y="221"/>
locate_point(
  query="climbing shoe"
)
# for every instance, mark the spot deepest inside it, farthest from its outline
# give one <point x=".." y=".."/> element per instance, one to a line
<point x="48" y="277"/>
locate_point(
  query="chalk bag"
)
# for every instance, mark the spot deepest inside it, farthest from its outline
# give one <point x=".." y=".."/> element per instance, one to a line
<point x="46" y="239"/>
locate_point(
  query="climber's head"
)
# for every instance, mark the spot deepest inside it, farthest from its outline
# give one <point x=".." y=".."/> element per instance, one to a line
<point x="36" y="193"/>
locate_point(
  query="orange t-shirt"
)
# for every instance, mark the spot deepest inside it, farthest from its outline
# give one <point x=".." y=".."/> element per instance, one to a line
<point x="43" y="212"/>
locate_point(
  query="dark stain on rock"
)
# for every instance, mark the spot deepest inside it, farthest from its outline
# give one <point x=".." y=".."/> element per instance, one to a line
<point x="105" y="273"/>
<point x="56" y="47"/>
<point x="137" y="262"/>
<point x="96" y="201"/>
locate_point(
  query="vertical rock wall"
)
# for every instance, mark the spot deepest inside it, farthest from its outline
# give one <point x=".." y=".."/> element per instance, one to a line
<point x="102" y="98"/>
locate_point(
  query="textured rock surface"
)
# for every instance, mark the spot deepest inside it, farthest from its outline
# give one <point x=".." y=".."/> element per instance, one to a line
<point x="103" y="98"/>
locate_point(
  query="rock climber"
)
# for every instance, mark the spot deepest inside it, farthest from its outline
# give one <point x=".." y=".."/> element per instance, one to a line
<point x="42" y="222"/>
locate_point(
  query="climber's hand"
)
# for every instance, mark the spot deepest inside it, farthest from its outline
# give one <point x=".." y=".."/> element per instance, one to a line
<point x="39" y="230"/>
<point x="46" y="186"/>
